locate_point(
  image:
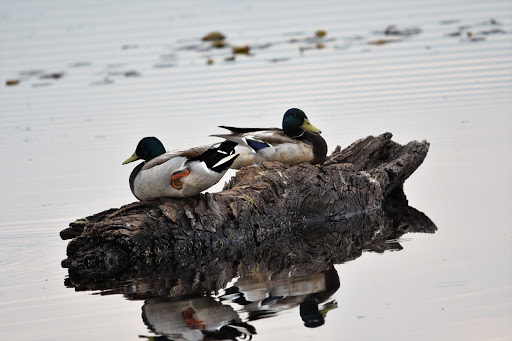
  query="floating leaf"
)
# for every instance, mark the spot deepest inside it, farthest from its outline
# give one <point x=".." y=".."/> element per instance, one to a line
<point x="241" y="49"/>
<point x="379" y="42"/>
<point x="213" y="36"/>
<point x="218" y="43"/>
<point x="320" y="33"/>
<point x="12" y="82"/>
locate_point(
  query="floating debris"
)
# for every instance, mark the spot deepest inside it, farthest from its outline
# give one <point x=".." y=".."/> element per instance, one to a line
<point x="230" y="58"/>
<point x="383" y="41"/>
<point x="129" y="47"/>
<point x="219" y="44"/>
<point x="478" y="36"/>
<point x="12" y="82"/>
<point x="378" y="42"/>
<point x="320" y="33"/>
<point x="163" y="65"/>
<point x="262" y="46"/>
<point x="278" y="60"/>
<point x="449" y="21"/>
<point x="320" y="45"/>
<point x="241" y="49"/>
<point x="209" y="61"/>
<point x="213" y="36"/>
<point x="189" y="47"/>
<point x="454" y="34"/>
<point x="491" y="22"/>
<point x="494" y="31"/>
<point x="80" y="64"/>
<point x="471" y="38"/>
<point x="314" y="40"/>
<point x="295" y="33"/>
<point x="54" y="75"/>
<point x="392" y="30"/>
<point x="129" y="73"/>
<point x="132" y="74"/>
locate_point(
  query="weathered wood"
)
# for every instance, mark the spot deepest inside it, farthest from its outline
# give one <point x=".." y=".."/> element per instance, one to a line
<point x="303" y="251"/>
<point x="257" y="206"/>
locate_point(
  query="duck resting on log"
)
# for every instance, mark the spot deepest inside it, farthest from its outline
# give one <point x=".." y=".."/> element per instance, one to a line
<point x="177" y="174"/>
<point x="298" y="141"/>
<point x="187" y="173"/>
<point x="257" y="203"/>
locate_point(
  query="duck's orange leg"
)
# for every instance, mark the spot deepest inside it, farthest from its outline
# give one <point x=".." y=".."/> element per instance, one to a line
<point x="190" y="320"/>
<point x="175" y="179"/>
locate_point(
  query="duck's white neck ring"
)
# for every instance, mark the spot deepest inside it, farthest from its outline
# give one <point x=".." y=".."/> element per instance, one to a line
<point x="303" y="132"/>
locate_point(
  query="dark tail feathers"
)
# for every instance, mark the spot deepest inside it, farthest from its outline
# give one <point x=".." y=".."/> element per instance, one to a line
<point x="213" y="157"/>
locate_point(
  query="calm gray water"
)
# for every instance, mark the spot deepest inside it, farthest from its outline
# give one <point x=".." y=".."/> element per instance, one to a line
<point x="132" y="69"/>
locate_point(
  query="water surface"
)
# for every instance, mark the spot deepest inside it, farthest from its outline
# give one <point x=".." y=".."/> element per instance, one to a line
<point x="94" y="78"/>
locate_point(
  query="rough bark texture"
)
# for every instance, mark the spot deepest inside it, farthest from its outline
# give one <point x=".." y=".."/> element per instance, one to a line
<point x="260" y="209"/>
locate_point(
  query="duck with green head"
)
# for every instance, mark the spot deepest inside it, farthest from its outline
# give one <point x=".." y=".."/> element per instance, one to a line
<point x="298" y="141"/>
<point x="177" y="174"/>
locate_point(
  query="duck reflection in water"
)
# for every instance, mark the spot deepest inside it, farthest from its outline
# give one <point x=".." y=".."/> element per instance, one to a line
<point x="261" y="298"/>
<point x="194" y="319"/>
<point x="312" y="311"/>
<point x="257" y="295"/>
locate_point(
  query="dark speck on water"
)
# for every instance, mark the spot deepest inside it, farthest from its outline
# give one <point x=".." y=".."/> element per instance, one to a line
<point x="53" y="75"/>
<point x="449" y="22"/>
<point x="80" y="64"/>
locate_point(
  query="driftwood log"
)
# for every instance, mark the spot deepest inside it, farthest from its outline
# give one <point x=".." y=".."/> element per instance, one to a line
<point x="296" y="266"/>
<point x="260" y="211"/>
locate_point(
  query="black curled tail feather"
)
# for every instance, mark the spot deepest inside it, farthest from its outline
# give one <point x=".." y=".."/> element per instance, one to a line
<point x="228" y="147"/>
<point x="236" y="130"/>
<point x="213" y="157"/>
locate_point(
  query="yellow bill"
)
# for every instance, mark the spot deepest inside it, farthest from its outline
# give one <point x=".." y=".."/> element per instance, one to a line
<point x="308" y="126"/>
<point x="132" y="158"/>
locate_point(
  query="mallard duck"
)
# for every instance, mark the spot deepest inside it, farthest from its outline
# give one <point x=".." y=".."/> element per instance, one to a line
<point x="177" y="174"/>
<point x="298" y="141"/>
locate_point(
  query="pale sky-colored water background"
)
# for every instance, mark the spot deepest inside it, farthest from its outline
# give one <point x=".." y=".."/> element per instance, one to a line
<point x="129" y="73"/>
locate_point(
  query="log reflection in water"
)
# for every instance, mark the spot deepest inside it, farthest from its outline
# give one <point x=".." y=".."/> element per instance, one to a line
<point x="204" y="296"/>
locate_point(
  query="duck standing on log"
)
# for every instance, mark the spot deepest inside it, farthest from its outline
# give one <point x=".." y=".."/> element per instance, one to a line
<point x="298" y="141"/>
<point x="177" y="174"/>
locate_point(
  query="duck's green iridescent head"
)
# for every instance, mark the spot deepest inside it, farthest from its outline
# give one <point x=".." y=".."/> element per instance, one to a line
<point x="147" y="149"/>
<point x="295" y="122"/>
